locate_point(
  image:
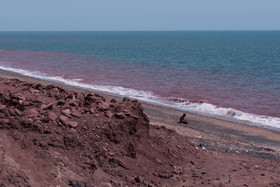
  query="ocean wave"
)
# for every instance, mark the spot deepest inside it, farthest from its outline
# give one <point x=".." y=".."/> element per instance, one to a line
<point x="198" y="107"/>
<point x="78" y="80"/>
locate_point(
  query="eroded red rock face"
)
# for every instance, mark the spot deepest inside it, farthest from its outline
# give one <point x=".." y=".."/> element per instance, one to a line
<point x="51" y="136"/>
<point x="91" y="131"/>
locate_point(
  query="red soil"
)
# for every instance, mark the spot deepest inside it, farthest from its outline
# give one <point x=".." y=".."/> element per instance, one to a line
<point x="50" y="136"/>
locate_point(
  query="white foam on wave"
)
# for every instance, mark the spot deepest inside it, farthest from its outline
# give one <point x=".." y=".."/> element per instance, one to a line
<point x="78" y="80"/>
<point x="231" y="114"/>
<point x="206" y="109"/>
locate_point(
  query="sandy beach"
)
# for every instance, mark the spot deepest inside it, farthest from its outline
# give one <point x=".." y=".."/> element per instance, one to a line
<point x="206" y="151"/>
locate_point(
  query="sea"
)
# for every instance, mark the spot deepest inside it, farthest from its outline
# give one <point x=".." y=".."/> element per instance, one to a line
<point x="232" y="75"/>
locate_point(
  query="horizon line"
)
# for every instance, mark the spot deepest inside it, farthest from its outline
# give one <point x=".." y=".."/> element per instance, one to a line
<point x="137" y="30"/>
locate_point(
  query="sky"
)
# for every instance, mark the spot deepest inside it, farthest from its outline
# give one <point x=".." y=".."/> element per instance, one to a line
<point x="115" y="15"/>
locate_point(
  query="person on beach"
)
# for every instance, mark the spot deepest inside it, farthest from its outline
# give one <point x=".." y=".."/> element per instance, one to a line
<point x="182" y="119"/>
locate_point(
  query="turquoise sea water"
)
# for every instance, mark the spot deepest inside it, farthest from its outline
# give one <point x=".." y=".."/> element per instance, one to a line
<point x="234" y="74"/>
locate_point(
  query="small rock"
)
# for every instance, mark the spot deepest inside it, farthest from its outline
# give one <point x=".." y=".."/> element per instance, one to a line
<point x="63" y="119"/>
<point x="35" y="100"/>
<point x="4" y="121"/>
<point x="18" y="97"/>
<point x="66" y="112"/>
<point x="52" y="116"/>
<point x="72" y="124"/>
<point x="80" y="96"/>
<point x="27" y="121"/>
<point x="120" y="115"/>
<point x="20" y="102"/>
<point x="26" y="103"/>
<point x="73" y="103"/>
<point x="109" y="114"/>
<point x="18" y="112"/>
<point x="75" y="113"/>
<point x="33" y="91"/>
<point x="135" y="117"/>
<point x="7" y="113"/>
<point x="176" y="170"/>
<point x="179" y="147"/>
<point x="103" y="106"/>
<point x="12" y="112"/>
<point x="15" y="101"/>
<point x="92" y="110"/>
<point x="159" y="161"/>
<point x="194" y="175"/>
<point x="47" y="106"/>
<point x="130" y="179"/>
<point x="2" y="107"/>
<point x="2" y="115"/>
<point x="31" y="112"/>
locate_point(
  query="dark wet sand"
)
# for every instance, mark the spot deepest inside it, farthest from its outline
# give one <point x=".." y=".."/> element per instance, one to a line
<point x="205" y="132"/>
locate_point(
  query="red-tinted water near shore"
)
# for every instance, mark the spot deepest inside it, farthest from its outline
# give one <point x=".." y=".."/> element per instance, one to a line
<point x="200" y="92"/>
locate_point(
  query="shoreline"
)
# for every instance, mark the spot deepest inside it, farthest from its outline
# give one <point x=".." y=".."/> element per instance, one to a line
<point x="204" y="132"/>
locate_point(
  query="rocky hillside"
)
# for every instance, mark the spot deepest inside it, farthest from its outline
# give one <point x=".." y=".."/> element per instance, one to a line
<point x="50" y="136"/>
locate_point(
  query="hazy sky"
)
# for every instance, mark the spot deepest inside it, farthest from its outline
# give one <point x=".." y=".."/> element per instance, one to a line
<point x="139" y="15"/>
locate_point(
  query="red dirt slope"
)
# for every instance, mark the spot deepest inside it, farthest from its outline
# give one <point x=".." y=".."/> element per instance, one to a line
<point x="51" y="136"/>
